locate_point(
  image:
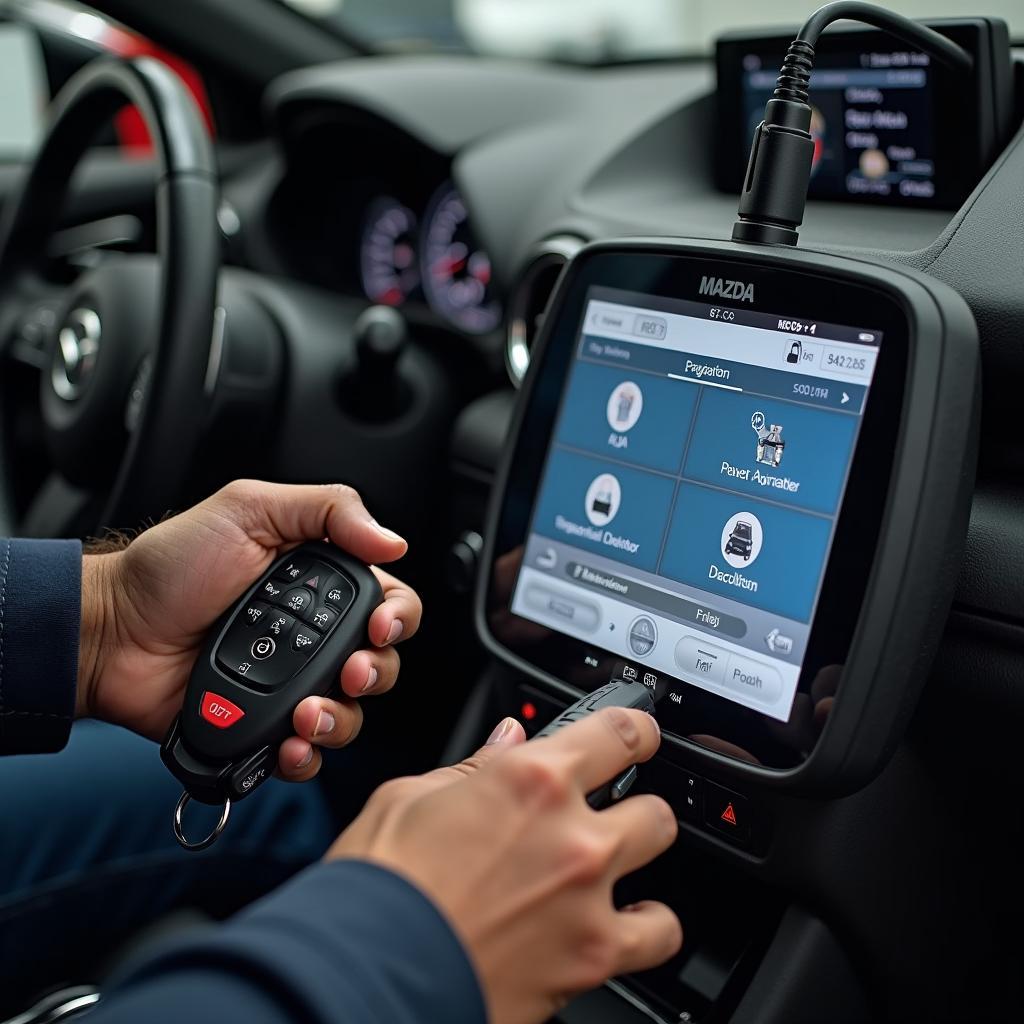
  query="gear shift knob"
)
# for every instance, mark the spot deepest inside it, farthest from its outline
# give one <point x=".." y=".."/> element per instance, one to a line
<point x="381" y="335"/>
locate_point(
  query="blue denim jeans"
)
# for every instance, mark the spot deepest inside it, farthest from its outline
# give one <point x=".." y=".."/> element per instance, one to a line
<point x="88" y="858"/>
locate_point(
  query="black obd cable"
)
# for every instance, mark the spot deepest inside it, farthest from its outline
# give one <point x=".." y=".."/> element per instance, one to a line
<point x="771" y="206"/>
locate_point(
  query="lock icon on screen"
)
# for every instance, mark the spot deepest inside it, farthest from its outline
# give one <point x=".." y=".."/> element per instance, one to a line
<point x="795" y="351"/>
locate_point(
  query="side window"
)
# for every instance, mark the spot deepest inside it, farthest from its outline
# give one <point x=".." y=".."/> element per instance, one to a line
<point x="42" y="44"/>
<point x="24" y="88"/>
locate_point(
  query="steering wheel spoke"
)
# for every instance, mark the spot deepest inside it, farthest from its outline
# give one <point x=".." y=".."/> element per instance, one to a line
<point x="30" y="333"/>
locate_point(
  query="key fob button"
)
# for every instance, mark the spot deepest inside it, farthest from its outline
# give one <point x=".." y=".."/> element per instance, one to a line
<point x="297" y="600"/>
<point x="291" y="571"/>
<point x="258" y="661"/>
<point x="219" y="711"/>
<point x="255" y="613"/>
<point x="277" y="624"/>
<point x="305" y="640"/>
<point x="271" y="591"/>
<point x="263" y="648"/>
<point x="324" y="617"/>
<point x="338" y="592"/>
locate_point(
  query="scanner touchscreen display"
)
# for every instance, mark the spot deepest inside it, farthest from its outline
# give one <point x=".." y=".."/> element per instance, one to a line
<point x="691" y="489"/>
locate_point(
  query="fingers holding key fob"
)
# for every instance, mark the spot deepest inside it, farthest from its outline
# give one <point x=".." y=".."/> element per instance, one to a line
<point x="261" y="696"/>
<point x="332" y="723"/>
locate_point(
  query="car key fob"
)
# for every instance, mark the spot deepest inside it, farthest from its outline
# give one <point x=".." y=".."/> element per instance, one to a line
<point x="616" y="694"/>
<point x="286" y="639"/>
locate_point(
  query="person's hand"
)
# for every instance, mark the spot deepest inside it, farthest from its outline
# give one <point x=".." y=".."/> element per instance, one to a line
<point x="146" y="609"/>
<point x="507" y="848"/>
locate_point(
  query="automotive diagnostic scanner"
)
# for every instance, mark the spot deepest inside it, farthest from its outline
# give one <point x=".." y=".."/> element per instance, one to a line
<point x="740" y="476"/>
<point x="285" y="640"/>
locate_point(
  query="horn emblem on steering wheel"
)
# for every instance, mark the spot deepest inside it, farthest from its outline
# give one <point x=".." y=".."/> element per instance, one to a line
<point x="78" y="344"/>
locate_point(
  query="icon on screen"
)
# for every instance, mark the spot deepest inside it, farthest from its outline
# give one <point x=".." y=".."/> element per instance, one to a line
<point x="742" y="537"/>
<point x="625" y="404"/>
<point x="777" y="643"/>
<point x="604" y="496"/>
<point x="796" y="350"/>
<point x="770" y="445"/>
<point x="643" y="635"/>
<point x="547" y="559"/>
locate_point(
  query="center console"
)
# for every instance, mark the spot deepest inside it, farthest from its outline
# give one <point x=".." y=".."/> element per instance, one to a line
<point x="740" y="476"/>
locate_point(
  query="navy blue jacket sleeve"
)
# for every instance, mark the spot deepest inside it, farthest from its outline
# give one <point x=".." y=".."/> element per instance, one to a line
<point x="345" y="943"/>
<point x="40" y="617"/>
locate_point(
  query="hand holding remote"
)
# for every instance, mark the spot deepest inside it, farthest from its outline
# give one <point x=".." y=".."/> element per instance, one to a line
<point x="147" y="609"/>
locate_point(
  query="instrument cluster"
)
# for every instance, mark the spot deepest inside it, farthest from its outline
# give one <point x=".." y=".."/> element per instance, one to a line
<point x="432" y="257"/>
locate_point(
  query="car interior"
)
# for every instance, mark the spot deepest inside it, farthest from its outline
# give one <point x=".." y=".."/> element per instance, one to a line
<point x="642" y="413"/>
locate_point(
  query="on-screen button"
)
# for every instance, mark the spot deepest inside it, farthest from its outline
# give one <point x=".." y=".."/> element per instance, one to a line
<point x="753" y="679"/>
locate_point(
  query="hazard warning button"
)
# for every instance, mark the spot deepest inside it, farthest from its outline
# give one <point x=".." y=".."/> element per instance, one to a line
<point x="727" y="814"/>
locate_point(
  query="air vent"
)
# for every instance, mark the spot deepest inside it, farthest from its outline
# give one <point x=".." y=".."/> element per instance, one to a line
<point x="530" y="299"/>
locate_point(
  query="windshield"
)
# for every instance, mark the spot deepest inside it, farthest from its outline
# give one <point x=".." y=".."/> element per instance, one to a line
<point x="588" y="31"/>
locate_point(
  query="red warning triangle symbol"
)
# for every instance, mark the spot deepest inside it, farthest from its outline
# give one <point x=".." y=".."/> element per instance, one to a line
<point x="729" y="815"/>
<point x="313" y="581"/>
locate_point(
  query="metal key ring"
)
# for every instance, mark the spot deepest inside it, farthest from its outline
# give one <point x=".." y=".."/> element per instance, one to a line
<point x="211" y="838"/>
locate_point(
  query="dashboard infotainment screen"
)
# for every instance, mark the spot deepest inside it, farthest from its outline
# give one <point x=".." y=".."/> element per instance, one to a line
<point x="872" y="122"/>
<point x="890" y="125"/>
<point x="691" y="489"/>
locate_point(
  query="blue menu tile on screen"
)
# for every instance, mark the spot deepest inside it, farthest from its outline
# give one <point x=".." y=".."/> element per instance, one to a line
<point x="611" y="509"/>
<point x="636" y="417"/>
<point x="777" y="450"/>
<point x="747" y="550"/>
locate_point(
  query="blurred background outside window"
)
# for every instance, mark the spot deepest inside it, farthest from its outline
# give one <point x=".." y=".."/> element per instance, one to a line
<point x="591" y="31"/>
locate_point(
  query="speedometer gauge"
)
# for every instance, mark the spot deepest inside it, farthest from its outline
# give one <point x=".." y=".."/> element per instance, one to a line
<point x="388" y="254"/>
<point x="456" y="271"/>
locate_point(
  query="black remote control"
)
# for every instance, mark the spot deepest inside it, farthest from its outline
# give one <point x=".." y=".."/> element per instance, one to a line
<point x="285" y="640"/>
<point x="616" y="694"/>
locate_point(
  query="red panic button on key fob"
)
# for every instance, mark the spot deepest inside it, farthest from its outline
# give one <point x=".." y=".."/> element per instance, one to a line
<point x="219" y="711"/>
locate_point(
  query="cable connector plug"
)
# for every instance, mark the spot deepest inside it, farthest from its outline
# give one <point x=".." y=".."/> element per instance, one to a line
<point x="771" y="205"/>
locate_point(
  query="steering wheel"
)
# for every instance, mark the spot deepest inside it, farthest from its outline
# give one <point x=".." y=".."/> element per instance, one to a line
<point x="128" y="350"/>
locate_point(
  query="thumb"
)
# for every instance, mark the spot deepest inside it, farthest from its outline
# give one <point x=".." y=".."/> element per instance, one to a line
<point x="276" y="514"/>
<point x="507" y="734"/>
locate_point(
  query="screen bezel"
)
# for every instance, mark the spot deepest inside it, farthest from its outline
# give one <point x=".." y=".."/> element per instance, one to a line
<point x="806" y="293"/>
<point x="960" y="146"/>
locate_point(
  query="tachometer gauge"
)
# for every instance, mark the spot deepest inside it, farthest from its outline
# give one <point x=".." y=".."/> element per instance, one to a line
<point x="388" y="254"/>
<point x="456" y="271"/>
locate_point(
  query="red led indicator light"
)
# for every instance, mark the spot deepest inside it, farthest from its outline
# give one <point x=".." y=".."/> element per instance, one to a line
<point x="729" y="815"/>
<point x="528" y="711"/>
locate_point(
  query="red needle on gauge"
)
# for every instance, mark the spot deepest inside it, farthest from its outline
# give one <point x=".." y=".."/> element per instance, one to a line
<point x="448" y="267"/>
<point x="453" y="262"/>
